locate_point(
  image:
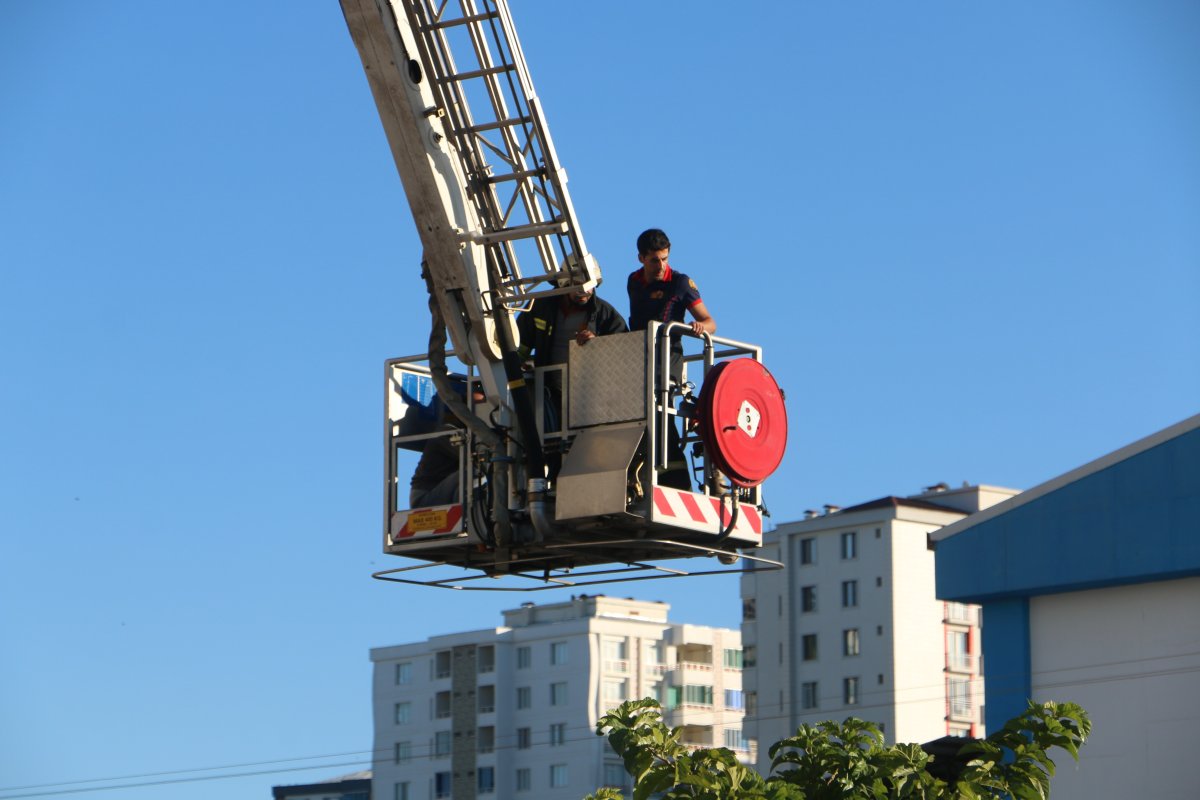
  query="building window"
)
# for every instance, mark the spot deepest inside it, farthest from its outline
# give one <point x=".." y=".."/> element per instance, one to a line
<point x="403" y="713"/>
<point x="850" y="545"/>
<point x="749" y="656"/>
<point x="850" y="642"/>
<point x="558" y="775"/>
<point x="558" y="693"/>
<point x="441" y="784"/>
<point x="615" y="775"/>
<point x="878" y="533"/>
<point x="441" y="664"/>
<point x="879" y="679"/>
<point x="402" y="792"/>
<point x="487" y="780"/>
<point x="524" y="738"/>
<point x="749" y="609"/>
<point x="958" y="647"/>
<point x="485" y="658"/>
<point x="403" y="673"/>
<point x="524" y="657"/>
<point x="403" y="752"/>
<point x="558" y="734"/>
<point x="808" y="647"/>
<point x="616" y="656"/>
<point x="733" y="659"/>
<point x="487" y="699"/>
<point x="524" y="697"/>
<point x="735" y="698"/>
<point x="524" y="779"/>
<point x="808" y="599"/>
<point x="441" y="744"/>
<point x="808" y="551"/>
<point x="486" y="738"/>
<point x="698" y="695"/>
<point x="441" y="705"/>
<point x="958" y="612"/>
<point x="558" y="653"/>
<point x="654" y="653"/>
<point x="808" y="694"/>
<point x="751" y="704"/>
<point x="959" y="690"/>
<point x="734" y="739"/>
<point x="878" y="580"/>
<point x="879" y="630"/>
<point x="615" y="691"/>
<point x="850" y="691"/>
<point x="849" y="594"/>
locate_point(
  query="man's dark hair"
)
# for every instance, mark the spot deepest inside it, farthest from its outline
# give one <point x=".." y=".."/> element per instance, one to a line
<point x="652" y="240"/>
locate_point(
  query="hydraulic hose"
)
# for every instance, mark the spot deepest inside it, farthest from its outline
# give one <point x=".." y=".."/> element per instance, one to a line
<point x="459" y="408"/>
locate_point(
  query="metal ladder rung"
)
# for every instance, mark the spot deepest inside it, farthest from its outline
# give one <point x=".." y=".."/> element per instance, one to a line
<point x="514" y="176"/>
<point x="493" y="126"/>
<point x="519" y="232"/>
<point x="452" y="23"/>
<point x="478" y="73"/>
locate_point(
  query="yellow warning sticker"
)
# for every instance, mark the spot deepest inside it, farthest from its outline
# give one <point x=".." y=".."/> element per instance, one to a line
<point x="428" y="520"/>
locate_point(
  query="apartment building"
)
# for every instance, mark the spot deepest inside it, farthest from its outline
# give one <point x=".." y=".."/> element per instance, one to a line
<point x="852" y="626"/>
<point x="510" y="712"/>
<point x="356" y="786"/>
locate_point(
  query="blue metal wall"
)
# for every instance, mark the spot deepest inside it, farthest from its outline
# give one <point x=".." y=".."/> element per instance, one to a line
<point x="1135" y="521"/>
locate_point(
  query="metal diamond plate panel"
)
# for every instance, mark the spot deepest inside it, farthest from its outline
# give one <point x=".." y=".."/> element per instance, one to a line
<point x="607" y="380"/>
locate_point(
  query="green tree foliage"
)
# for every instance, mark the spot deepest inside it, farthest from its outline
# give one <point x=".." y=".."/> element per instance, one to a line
<point x="842" y="761"/>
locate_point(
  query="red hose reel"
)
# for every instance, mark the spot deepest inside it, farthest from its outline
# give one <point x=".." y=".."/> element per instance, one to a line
<point x="743" y="420"/>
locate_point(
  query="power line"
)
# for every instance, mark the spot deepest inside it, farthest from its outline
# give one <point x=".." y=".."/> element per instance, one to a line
<point x="166" y="781"/>
<point x="184" y="771"/>
<point x="425" y="751"/>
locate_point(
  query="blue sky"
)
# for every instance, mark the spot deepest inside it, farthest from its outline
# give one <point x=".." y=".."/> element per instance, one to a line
<point x="965" y="233"/>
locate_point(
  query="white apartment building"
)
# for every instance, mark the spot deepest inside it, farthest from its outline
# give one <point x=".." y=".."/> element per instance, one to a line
<point x="511" y="712"/>
<point x="852" y="625"/>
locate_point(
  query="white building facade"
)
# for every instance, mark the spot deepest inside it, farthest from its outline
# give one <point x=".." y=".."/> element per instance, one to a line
<point x="510" y="712"/>
<point x="852" y="625"/>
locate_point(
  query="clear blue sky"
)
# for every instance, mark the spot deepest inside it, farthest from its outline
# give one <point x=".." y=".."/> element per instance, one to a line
<point x="966" y="233"/>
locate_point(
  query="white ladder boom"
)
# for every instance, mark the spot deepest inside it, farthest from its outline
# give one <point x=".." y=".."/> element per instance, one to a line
<point x="467" y="132"/>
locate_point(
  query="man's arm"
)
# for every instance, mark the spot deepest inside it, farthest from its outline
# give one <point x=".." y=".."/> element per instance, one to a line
<point x="525" y="334"/>
<point x="702" y="321"/>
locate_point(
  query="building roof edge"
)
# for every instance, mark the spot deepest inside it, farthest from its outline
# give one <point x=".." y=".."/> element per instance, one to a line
<point x="1091" y="467"/>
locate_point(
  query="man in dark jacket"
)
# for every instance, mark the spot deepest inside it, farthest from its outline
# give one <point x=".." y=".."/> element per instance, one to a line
<point x="547" y="329"/>
<point x="549" y="326"/>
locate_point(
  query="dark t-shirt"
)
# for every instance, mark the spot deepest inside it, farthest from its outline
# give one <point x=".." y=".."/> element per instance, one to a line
<point x="663" y="300"/>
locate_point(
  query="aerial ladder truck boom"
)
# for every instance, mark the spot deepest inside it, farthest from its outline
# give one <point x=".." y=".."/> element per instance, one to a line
<point x="498" y="230"/>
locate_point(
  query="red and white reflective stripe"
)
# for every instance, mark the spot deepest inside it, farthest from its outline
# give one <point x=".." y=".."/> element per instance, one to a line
<point x="700" y="512"/>
<point x="423" y="522"/>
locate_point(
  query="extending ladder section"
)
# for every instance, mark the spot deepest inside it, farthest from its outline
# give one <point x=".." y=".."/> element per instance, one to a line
<point x="479" y="107"/>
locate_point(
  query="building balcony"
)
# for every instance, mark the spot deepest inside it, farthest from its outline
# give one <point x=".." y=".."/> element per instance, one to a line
<point x="961" y="614"/>
<point x="693" y="666"/>
<point x="960" y="711"/>
<point x="962" y="662"/>
<point x="696" y="736"/>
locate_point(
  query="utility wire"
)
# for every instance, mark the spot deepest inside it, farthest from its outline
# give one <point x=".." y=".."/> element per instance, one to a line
<point x="426" y="751"/>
